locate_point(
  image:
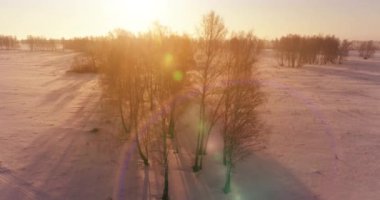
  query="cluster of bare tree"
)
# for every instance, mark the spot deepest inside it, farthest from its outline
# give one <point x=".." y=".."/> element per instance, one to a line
<point x="231" y="101"/>
<point x="144" y="74"/>
<point x="367" y="49"/>
<point x="8" y="42"/>
<point x="41" y="43"/>
<point x="93" y="51"/>
<point x="241" y="129"/>
<point x="296" y="50"/>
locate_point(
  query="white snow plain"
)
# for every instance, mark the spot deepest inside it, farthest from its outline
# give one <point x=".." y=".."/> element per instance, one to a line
<point x="47" y="149"/>
<point x="321" y="123"/>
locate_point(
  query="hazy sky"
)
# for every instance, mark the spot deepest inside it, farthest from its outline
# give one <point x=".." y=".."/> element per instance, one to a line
<point x="351" y="19"/>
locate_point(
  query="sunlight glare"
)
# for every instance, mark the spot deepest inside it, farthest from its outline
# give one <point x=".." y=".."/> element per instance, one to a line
<point x="136" y="15"/>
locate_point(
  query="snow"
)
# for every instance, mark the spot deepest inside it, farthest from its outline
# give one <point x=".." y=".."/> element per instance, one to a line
<point x="324" y="125"/>
<point x="46" y="149"/>
<point x="321" y="124"/>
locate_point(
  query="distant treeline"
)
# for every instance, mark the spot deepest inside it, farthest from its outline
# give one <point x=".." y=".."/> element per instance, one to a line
<point x="295" y="50"/>
<point x="8" y="42"/>
<point x="41" y="43"/>
<point x="82" y="44"/>
<point x="34" y="43"/>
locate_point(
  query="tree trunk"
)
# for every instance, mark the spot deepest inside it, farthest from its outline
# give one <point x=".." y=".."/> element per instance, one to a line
<point x="196" y="166"/>
<point x="204" y="149"/>
<point x="125" y="127"/>
<point x="224" y="152"/>
<point x="201" y="145"/>
<point x="198" y="150"/>
<point x="151" y="95"/>
<point x="172" y="122"/>
<point x="142" y="156"/>
<point x="227" y="185"/>
<point x="165" y="195"/>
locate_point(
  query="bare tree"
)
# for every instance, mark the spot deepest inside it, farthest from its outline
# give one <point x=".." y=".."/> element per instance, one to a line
<point x="367" y="49"/>
<point x="288" y="50"/>
<point x="31" y="42"/>
<point x="330" y="49"/>
<point x="8" y="42"/>
<point x="124" y="79"/>
<point x="344" y="50"/>
<point x="241" y="127"/>
<point x="212" y="33"/>
<point x="172" y="55"/>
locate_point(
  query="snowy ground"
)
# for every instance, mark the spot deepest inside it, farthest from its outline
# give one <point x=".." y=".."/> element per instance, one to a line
<point x="322" y="125"/>
<point x="46" y="148"/>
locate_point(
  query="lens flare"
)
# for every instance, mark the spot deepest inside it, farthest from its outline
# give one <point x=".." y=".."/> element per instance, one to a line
<point x="168" y="60"/>
<point x="178" y="75"/>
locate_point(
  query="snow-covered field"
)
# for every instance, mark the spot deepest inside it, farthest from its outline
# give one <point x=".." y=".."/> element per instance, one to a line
<point x="46" y="148"/>
<point x="321" y="123"/>
<point x="324" y="125"/>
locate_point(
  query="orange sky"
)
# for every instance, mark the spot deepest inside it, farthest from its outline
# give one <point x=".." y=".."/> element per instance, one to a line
<point x="351" y="19"/>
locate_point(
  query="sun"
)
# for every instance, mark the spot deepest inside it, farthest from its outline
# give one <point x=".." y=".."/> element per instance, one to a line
<point x="136" y="15"/>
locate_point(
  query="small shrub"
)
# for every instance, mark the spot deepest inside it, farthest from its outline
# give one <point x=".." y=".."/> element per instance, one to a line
<point x="83" y="64"/>
<point x="367" y="50"/>
<point x="94" y="130"/>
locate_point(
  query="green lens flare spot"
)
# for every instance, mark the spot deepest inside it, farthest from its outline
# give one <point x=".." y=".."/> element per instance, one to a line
<point x="178" y="76"/>
<point x="168" y="60"/>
